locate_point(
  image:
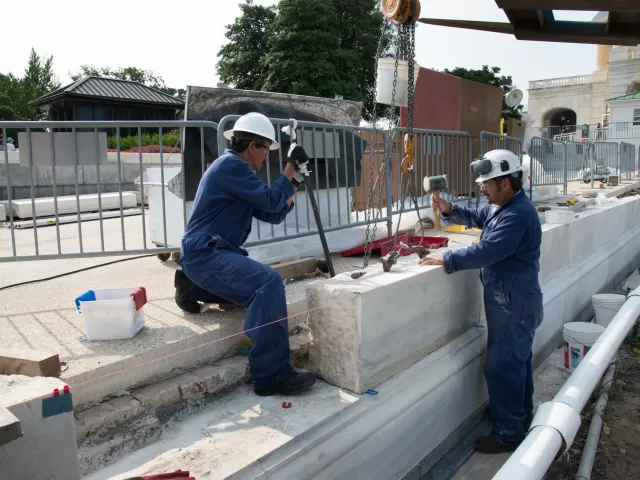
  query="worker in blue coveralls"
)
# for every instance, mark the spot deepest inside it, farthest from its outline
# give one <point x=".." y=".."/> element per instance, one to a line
<point x="508" y="257"/>
<point x="214" y="268"/>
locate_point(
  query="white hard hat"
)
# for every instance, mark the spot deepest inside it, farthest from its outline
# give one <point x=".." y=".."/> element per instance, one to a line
<point x="498" y="163"/>
<point x="257" y="124"/>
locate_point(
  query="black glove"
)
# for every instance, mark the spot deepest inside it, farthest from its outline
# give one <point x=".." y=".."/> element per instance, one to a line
<point x="297" y="156"/>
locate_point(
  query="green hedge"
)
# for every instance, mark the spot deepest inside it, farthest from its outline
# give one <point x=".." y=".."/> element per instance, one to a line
<point x="170" y="139"/>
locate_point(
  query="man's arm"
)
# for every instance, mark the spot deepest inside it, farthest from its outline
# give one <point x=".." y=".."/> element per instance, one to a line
<point x="274" y="218"/>
<point x="501" y="242"/>
<point x="469" y="217"/>
<point x="243" y="183"/>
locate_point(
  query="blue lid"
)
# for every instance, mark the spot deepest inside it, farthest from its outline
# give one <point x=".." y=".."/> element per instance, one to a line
<point x="88" y="296"/>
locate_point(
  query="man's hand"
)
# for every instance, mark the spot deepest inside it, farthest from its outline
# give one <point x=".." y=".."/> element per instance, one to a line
<point x="299" y="159"/>
<point x="440" y="205"/>
<point x="431" y="261"/>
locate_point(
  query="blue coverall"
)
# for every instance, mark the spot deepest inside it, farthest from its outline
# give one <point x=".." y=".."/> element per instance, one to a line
<point x="229" y="196"/>
<point x="508" y="256"/>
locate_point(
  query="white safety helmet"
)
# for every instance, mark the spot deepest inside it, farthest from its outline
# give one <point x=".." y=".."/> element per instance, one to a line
<point x="496" y="163"/>
<point x="257" y="124"/>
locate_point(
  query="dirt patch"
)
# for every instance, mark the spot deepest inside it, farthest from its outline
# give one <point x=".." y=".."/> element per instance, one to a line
<point x="617" y="457"/>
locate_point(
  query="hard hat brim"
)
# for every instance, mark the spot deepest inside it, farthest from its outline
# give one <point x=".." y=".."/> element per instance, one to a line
<point x="274" y="144"/>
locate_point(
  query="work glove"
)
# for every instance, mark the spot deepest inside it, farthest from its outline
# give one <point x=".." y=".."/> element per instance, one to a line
<point x="300" y="161"/>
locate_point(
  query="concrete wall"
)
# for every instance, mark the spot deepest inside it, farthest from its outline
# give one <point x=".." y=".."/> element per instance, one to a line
<point x="89" y="147"/>
<point x="621" y="75"/>
<point x="19" y="179"/>
<point x="623" y="111"/>
<point x="371" y="328"/>
<point x="48" y="448"/>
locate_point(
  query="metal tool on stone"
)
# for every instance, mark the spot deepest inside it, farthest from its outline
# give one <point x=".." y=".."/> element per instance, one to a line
<point x="391" y="258"/>
<point x="291" y="131"/>
<point x="435" y="185"/>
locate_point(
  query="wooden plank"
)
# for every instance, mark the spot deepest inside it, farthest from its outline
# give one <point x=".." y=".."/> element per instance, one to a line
<point x="295" y="268"/>
<point x="10" y="428"/>
<point x="32" y="363"/>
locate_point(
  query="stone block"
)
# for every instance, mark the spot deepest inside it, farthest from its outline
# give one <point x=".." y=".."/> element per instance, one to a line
<point x="160" y="395"/>
<point x="10" y="428"/>
<point x="555" y="251"/>
<point x="3" y="213"/>
<point x="18" y="176"/>
<point x="108" y="174"/>
<point x="64" y="176"/>
<point x="106" y="416"/>
<point x="366" y="330"/>
<point x="191" y="386"/>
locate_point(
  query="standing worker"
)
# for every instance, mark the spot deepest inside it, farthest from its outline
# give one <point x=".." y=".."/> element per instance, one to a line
<point x="508" y="256"/>
<point x="214" y="268"/>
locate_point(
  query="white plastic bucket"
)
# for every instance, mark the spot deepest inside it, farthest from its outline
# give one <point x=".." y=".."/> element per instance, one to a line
<point x="112" y="315"/>
<point x="384" y="91"/>
<point x="606" y="306"/>
<point x="579" y="337"/>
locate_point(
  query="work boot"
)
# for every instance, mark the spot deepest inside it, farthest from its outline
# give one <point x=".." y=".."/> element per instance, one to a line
<point x="487" y="444"/>
<point x="182" y="284"/>
<point x="295" y="384"/>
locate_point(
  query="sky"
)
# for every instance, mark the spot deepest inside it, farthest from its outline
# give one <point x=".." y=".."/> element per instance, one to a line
<point x="179" y="41"/>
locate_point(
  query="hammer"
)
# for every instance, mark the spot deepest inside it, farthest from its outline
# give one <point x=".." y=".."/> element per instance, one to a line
<point x="435" y="185"/>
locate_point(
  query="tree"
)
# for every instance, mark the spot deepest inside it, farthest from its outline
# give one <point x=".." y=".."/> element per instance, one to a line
<point x="491" y="76"/>
<point x="132" y="74"/>
<point x="240" y="61"/>
<point x="307" y="47"/>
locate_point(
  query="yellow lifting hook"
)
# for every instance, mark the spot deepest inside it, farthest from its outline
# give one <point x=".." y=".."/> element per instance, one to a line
<point x="401" y="11"/>
<point x="410" y="151"/>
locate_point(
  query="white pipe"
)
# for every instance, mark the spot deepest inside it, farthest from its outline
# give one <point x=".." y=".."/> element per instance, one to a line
<point x="593" y="436"/>
<point x="532" y="459"/>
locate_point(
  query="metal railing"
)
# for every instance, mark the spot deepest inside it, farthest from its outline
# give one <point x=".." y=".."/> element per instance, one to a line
<point x="628" y="163"/>
<point x="548" y="162"/>
<point x="437" y="153"/>
<point x="559" y="82"/>
<point x="591" y="132"/>
<point x="67" y="177"/>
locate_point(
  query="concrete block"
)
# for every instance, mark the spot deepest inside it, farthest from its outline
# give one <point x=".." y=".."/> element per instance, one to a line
<point x="160" y="395"/>
<point x="64" y="176"/>
<point x="87" y="147"/>
<point x="191" y="386"/>
<point x="366" y="330"/>
<point x="17" y="176"/>
<point x="3" y="213"/>
<point x="223" y="374"/>
<point x="31" y="363"/>
<point x="48" y="447"/>
<point x="68" y="204"/>
<point x="107" y="415"/>
<point x="555" y="251"/>
<point x="107" y="173"/>
<point x="10" y="428"/>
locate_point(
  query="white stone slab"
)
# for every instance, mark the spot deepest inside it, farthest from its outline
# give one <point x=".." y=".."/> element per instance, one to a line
<point x="68" y="204"/>
<point x="3" y="213"/>
<point x="374" y="327"/>
<point x="48" y="447"/>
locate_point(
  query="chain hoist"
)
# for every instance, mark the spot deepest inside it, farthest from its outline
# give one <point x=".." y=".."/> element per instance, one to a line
<point x="404" y="13"/>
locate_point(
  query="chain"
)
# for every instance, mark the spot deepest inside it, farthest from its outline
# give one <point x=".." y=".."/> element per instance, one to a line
<point x="382" y="172"/>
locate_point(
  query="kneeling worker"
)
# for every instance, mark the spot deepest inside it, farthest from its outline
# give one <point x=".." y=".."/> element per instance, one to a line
<point x="214" y="268"/>
<point x="508" y="256"/>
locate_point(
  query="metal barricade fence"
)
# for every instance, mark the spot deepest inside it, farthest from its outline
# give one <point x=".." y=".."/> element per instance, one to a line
<point x="548" y="163"/>
<point x="578" y="160"/>
<point x="606" y="159"/>
<point x="627" y="159"/>
<point x="494" y="141"/>
<point x="438" y="152"/>
<point x="341" y="174"/>
<point x="89" y="175"/>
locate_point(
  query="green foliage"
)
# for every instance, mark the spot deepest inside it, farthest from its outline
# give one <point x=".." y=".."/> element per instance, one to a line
<point x="133" y="74"/>
<point x="307" y="47"/>
<point x="16" y="93"/>
<point x="241" y="59"/>
<point x="491" y="76"/>
<point x="169" y="139"/>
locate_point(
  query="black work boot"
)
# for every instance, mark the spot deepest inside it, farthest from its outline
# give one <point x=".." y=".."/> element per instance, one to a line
<point x="182" y="284"/>
<point x="295" y="384"/>
<point x="487" y="444"/>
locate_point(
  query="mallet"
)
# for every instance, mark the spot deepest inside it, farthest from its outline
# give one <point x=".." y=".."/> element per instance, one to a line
<point x="435" y="185"/>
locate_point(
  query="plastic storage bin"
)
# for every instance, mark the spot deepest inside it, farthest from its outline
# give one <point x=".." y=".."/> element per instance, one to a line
<point x="112" y="314"/>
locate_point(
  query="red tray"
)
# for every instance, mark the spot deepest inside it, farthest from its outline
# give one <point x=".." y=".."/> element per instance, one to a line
<point x="376" y="245"/>
<point x="432" y="243"/>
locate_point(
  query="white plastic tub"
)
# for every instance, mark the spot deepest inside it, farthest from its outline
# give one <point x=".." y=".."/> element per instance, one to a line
<point x="559" y="216"/>
<point x="113" y="315"/>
